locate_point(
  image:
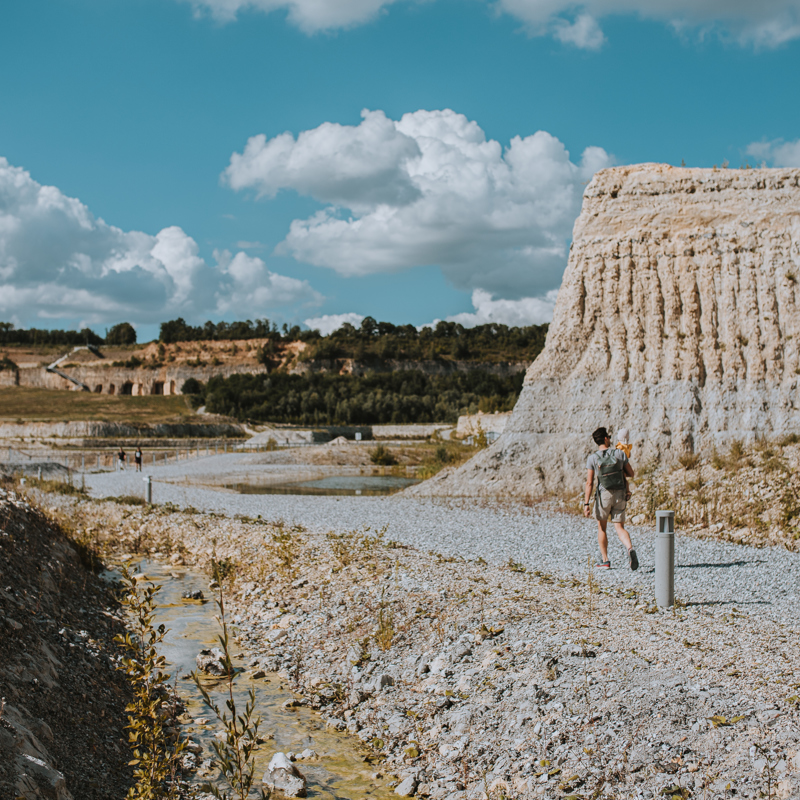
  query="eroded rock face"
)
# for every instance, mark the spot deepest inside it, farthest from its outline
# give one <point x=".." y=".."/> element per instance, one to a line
<point x="677" y="318"/>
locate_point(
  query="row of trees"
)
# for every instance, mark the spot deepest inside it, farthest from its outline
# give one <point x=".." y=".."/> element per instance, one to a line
<point x="375" y="398"/>
<point x="371" y="341"/>
<point x="383" y="340"/>
<point x="124" y="333"/>
<point x="177" y="330"/>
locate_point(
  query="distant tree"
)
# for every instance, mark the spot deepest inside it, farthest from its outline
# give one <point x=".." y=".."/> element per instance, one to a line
<point x="124" y="333"/>
<point x="192" y="386"/>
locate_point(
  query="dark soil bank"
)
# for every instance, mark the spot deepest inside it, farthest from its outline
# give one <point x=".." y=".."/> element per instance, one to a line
<point x="62" y="723"/>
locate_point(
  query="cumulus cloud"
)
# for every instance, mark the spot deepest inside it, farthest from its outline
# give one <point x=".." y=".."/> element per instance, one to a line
<point x="57" y="261"/>
<point x="768" y="23"/>
<point x="777" y="152"/>
<point x="328" y="323"/>
<point x="426" y="189"/>
<point x="525" y="311"/>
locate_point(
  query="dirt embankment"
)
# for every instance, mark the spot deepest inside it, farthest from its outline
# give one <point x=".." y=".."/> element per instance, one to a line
<point x="62" y="723"/>
<point x="471" y="681"/>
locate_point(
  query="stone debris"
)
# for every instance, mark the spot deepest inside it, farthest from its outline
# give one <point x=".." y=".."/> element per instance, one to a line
<point x="283" y="776"/>
<point x="197" y="594"/>
<point x="473" y="678"/>
<point x="212" y="661"/>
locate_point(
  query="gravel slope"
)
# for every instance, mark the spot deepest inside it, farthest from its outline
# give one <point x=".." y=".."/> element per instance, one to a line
<point x="761" y="581"/>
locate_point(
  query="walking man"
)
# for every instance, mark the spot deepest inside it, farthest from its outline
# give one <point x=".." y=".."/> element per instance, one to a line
<point x="611" y="467"/>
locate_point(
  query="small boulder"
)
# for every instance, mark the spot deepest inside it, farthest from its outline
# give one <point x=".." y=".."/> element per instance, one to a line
<point x="407" y="787"/>
<point x="211" y="661"/>
<point x="283" y="776"/>
<point x="192" y="594"/>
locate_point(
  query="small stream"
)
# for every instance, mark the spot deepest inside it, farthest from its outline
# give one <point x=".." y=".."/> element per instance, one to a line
<point x="340" y="772"/>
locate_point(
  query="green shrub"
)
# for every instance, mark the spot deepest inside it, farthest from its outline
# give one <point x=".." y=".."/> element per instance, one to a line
<point x="382" y="456"/>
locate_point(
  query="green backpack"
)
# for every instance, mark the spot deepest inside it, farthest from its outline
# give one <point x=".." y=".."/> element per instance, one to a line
<point x="609" y="471"/>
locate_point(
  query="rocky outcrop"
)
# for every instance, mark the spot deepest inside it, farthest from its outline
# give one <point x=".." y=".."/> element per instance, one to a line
<point x="474" y="424"/>
<point x="677" y="318"/>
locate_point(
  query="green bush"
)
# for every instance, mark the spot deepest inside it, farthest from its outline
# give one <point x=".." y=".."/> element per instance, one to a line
<point x="382" y="456"/>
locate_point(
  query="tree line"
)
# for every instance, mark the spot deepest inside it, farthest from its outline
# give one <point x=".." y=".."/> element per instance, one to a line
<point x="372" y="341"/>
<point x="124" y="333"/>
<point x="375" y="398"/>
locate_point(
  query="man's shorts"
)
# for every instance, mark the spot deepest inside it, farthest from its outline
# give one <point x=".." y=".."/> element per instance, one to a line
<point x="610" y="505"/>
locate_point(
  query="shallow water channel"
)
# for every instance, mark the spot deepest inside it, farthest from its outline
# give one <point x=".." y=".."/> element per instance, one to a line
<point x="339" y="773"/>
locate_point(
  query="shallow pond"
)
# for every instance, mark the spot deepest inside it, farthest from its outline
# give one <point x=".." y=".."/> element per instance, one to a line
<point x="343" y="485"/>
<point x="340" y="772"/>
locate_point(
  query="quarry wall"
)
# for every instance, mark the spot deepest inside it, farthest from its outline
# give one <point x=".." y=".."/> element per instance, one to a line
<point x="677" y="317"/>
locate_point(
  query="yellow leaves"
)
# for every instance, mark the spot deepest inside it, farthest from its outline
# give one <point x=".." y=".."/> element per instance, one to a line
<point x="719" y="721"/>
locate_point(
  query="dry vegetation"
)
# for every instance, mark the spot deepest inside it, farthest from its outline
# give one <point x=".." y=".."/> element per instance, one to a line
<point x="748" y="494"/>
<point x="22" y="404"/>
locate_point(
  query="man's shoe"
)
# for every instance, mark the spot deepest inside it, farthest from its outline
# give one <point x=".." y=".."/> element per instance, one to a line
<point x="633" y="560"/>
<point x="603" y="565"/>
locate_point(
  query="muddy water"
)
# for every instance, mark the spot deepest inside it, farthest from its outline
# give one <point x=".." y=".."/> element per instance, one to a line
<point x="340" y="772"/>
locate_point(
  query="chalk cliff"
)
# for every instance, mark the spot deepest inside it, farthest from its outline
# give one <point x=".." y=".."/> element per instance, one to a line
<point x="677" y="317"/>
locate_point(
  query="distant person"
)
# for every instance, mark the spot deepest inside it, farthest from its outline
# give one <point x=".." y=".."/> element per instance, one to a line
<point x="137" y="459"/>
<point x="611" y="468"/>
<point x="121" y="459"/>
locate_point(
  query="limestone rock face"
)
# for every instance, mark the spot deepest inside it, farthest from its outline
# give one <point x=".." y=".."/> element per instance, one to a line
<point x="677" y="318"/>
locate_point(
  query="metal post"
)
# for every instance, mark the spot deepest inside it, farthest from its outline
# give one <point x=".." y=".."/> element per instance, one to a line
<point x="83" y="463"/>
<point x="665" y="558"/>
<point x="165" y="459"/>
<point x="39" y="473"/>
<point x="148" y="490"/>
<point x="98" y="461"/>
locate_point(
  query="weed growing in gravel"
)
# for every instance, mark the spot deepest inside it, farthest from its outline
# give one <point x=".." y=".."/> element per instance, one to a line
<point x="155" y="760"/>
<point x="284" y="546"/>
<point x="384" y="636"/>
<point x="234" y="753"/>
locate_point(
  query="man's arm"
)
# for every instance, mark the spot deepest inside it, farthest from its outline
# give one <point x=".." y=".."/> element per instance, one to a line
<point x="588" y="491"/>
<point x="627" y="469"/>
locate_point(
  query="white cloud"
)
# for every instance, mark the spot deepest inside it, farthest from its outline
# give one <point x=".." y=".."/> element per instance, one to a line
<point x="328" y="323"/>
<point x="777" y="152"/>
<point x="310" y="16"/>
<point x="59" y="261"/>
<point x="246" y="282"/>
<point x="584" y="32"/>
<point x="426" y="189"/>
<point x="525" y="311"/>
<point x="768" y="23"/>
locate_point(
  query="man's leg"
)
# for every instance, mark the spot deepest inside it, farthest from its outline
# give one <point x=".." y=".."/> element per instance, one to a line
<point x="602" y="539"/>
<point x="624" y="536"/>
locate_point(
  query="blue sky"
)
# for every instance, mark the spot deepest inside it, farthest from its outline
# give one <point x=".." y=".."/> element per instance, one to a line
<point x="132" y="112"/>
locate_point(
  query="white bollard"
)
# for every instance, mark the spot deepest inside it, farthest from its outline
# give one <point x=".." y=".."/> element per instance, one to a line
<point x="148" y="490"/>
<point x="39" y="473"/>
<point x="665" y="558"/>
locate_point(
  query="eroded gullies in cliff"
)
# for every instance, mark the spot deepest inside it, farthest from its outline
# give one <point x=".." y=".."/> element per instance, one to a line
<point x="340" y="771"/>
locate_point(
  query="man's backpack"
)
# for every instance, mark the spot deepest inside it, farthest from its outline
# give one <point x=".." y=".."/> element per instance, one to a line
<point x="609" y="471"/>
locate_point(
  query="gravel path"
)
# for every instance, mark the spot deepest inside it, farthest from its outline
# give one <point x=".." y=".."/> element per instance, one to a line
<point x="760" y="581"/>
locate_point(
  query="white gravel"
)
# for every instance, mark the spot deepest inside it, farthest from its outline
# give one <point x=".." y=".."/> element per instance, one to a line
<point x="759" y="581"/>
